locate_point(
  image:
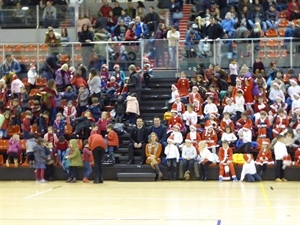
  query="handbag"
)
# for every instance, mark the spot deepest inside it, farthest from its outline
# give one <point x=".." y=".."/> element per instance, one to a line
<point x="177" y="16"/>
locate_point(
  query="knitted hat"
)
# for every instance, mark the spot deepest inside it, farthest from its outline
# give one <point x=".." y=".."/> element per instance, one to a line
<point x="171" y="139"/>
<point x="138" y="69"/>
<point x="228" y="99"/>
<point x="297" y="109"/>
<point x="116" y="66"/>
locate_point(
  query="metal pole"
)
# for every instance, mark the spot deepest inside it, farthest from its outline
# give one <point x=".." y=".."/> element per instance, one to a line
<point x="142" y="54"/>
<point x="253" y="53"/>
<point x="291" y="52"/>
<point x="37" y="16"/>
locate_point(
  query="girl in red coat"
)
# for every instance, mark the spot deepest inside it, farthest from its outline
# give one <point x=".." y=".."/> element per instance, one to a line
<point x="226" y="165"/>
<point x="210" y="136"/>
<point x="262" y="125"/>
<point x="194" y="95"/>
<point x="112" y="142"/>
<point x="194" y="136"/>
<point x="281" y="123"/>
<point x="264" y="157"/>
<point x="178" y="106"/>
<point x="248" y="80"/>
<point x="183" y="85"/>
<point x="174" y="119"/>
<point x="226" y="121"/>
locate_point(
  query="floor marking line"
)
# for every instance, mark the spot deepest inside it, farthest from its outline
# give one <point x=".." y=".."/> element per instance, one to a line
<point x="39" y="193"/>
<point x="266" y="198"/>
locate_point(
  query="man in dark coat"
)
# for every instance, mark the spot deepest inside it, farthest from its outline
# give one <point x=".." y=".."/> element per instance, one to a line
<point x="134" y="83"/>
<point x="50" y="66"/>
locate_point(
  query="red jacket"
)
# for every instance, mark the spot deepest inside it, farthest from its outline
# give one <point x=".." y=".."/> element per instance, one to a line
<point x="26" y="124"/>
<point x="62" y="145"/>
<point x="183" y="86"/>
<point x="113" y="139"/>
<point x="96" y="140"/>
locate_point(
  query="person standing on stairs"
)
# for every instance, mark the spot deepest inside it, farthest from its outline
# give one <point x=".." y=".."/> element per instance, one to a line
<point x="173" y="37"/>
<point x="134" y="83"/>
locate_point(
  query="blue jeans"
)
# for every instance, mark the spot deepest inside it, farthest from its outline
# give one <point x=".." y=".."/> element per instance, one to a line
<point x="271" y="25"/>
<point x="111" y="154"/>
<point x="26" y="134"/>
<point x="48" y="75"/>
<point x="3" y="133"/>
<point x="172" y="52"/>
<point x="252" y="177"/>
<point x="263" y="25"/>
<point x="87" y="169"/>
<point x="61" y="155"/>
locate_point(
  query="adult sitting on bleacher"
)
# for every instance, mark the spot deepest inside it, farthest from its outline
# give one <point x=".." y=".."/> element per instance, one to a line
<point x="160" y="130"/>
<point x="49" y="15"/>
<point x="138" y="139"/>
<point x="10" y="65"/>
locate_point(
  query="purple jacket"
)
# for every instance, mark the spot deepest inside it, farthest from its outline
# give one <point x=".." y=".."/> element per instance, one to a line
<point x="14" y="146"/>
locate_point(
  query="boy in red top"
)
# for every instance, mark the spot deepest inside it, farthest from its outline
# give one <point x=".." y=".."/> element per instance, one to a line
<point x="183" y="85"/>
<point x="174" y="119"/>
<point x="87" y="158"/>
<point x="61" y="145"/>
<point x="112" y="142"/>
<point x="225" y="157"/>
<point x="26" y="124"/>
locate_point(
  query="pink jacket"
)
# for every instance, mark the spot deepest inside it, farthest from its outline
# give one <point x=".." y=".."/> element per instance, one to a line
<point x="16" y="86"/>
<point x="14" y="147"/>
<point x="132" y="105"/>
<point x="73" y="112"/>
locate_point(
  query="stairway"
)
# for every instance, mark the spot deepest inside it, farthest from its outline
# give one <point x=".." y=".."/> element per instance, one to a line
<point x="153" y="101"/>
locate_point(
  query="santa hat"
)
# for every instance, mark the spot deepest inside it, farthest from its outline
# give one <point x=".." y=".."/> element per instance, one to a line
<point x="174" y="111"/>
<point x="116" y="66"/>
<point x="177" y="97"/>
<point x="138" y="69"/>
<point x="171" y="139"/>
<point x="296" y="95"/>
<point x="241" y="91"/>
<point x="247" y="126"/>
<point x="276" y="84"/>
<point x="174" y="86"/>
<point x="195" y="87"/>
<point x="212" y="114"/>
<point x="104" y="65"/>
<point x="265" y="142"/>
<point x="293" y="80"/>
<point x="32" y="66"/>
<point x="279" y="97"/>
<point x="228" y="99"/>
<point x="178" y="125"/>
<point x="188" y="140"/>
<point x="193" y="127"/>
<point x="145" y="59"/>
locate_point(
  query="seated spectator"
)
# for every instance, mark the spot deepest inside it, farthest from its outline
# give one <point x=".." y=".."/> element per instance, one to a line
<point x="130" y="11"/>
<point x="117" y="10"/>
<point x="111" y="21"/>
<point x="189" y="155"/>
<point x="102" y="124"/>
<point x="14" y="150"/>
<point x="141" y="29"/>
<point x="272" y="17"/>
<point x="19" y="14"/>
<point x="10" y="65"/>
<point x="125" y="17"/>
<point x="105" y="8"/>
<point x="70" y="113"/>
<point x="152" y="19"/>
<point x="120" y="31"/>
<point x="49" y="15"/>
<point x="258" y="15"/>
<point x="101" y="21"/>
<point x="294" y="10"/>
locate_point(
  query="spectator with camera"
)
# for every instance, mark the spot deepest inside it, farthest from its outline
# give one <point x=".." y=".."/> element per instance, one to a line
<point x="49" y="15"/>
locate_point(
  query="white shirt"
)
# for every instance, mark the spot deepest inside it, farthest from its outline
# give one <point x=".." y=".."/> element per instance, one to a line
<point x="210" y="108"/>
<point x="206" y="154"/>
<point x="173" y="96"/>
<point x="171" y="151"/>
<point x="230" y="109"/>
<point x="247" y="135"/>
<point x="177" y="137"/>
<point x="248" y="168"/>
<point x="295" y="104"/>
<point x="233" y="69"/>
<point x="274" y="93"/>
<point x="228" y="137"/>
<point x="173" y="38"/>
<point x="280" y="150"/>
<point x="190" y="118"/>
<point x="189" y="152"/>
<point x="239" y="103"/>
<point x="293" y="90"/>
<point x="32" y="75"/>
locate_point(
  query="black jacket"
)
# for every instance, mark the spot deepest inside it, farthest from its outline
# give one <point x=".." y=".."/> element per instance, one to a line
<point x="133" y="135"/>
<point x="134" y="84"/>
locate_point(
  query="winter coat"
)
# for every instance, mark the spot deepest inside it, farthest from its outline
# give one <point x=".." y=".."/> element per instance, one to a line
<point x="30" y="144"/>
<point x="75" y="155"/>
<point x="25" y="100"/>
<point x="62" y="78"/>
<point x="59" y="127"/>
<point x="120" y="106"/>
<point x="112" y="138"/>
<point x="70" y="96"/>
<point x="40" y="156"/>
<point x="96" y="111"/>
<point x="14" y="147"/>
<point x="132" y="105"/>
<point x="16" y="86"/>
<point x="83" y="98"/>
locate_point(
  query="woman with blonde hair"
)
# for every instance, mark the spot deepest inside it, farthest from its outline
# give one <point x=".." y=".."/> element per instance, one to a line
<point x="206" y="159"/>
<point x="153" y="150"/>
<point x="256" y="34"/>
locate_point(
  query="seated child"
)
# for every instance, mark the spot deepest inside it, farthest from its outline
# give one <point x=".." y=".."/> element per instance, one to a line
<point x="70" y="113"/>
<point x="59" y="125"/>
<point x="249" y="173"/>
<point x="14" y="150"/>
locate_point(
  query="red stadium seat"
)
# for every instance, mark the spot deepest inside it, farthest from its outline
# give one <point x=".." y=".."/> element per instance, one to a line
<point x="271" y="33"/>
<point x="13" y="129"/>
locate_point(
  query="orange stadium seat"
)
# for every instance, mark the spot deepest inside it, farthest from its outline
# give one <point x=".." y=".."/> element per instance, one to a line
<point x="33" y="92"/>
<point x="18" y="48"/>
<point x="68" y="129"/>
<point x="41" y="82"/>
<point x="44" y="48"/>
<point x="273" y="54"/>
<point x="23" y="144"/>
<point x="3" y="145"/>
<point x="282" y="14"/>
<point x="283" y="23"/>
<point x="272" y="43"/>
<point x="281" y="32"/>
<point x="25" y="82"/>
<point x="13" y="129"/>
<point x="1" y="160"/>
<point x="34" y="128"/>
<point x="271" y="33"/>
<point x="30" y="48"/>
<point x="24" y="59"/>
